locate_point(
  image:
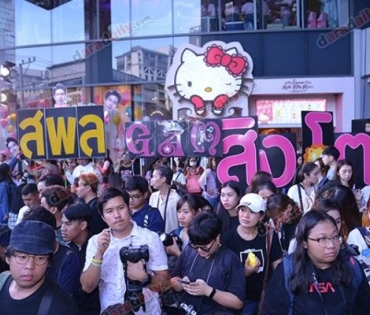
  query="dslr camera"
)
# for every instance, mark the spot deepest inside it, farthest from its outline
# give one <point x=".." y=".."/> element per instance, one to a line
<point x="188" y="308"/>
<point x="134" y="289"/>
<point x="167" y="239"/>
<point x="134" y="254"/>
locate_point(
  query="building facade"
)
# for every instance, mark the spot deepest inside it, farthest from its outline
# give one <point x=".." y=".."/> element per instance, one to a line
<point x="303" y="51"/>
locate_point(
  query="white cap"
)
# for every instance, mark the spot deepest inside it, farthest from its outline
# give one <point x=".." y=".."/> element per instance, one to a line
<point x="253" y="201"/>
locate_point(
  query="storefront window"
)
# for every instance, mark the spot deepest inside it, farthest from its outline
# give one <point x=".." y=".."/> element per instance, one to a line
<point x="47" y="22"/>
<point x="46" y="65"/>
<point x="120" y="26"/>
<point x="151" y="17"/>
<point x="143" y="60"/>
<point x="187" y="17"/>
<point x="322" y="14"/>
<point x="286" y="111"/>
<point x="283" y="14"/>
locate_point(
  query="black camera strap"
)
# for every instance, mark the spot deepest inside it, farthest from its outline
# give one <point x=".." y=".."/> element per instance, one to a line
<point x="165" y="205"/>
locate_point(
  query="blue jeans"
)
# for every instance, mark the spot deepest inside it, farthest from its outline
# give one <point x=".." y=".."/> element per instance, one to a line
<point x="250" y="308"/>
<point x="249" y="22"/>
<point x="286" y="19"/>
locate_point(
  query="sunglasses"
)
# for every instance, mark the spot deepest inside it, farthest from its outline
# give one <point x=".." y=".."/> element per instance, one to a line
<point x="202" y="247"/>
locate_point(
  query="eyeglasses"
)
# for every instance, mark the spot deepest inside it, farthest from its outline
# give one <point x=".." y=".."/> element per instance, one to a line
<point x="136" y="197"/>
<point x="324" y="241"/>
<point x="205" y="249"/>
<point x="23" y="259"/>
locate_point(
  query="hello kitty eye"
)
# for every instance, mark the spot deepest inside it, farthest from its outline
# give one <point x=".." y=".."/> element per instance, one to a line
<point x="228" y="84"/>
<point x="190" y="83"/>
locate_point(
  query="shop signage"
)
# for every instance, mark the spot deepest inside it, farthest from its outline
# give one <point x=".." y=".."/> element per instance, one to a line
<point x="297" y="86"/>
<point x="69" y="132"/>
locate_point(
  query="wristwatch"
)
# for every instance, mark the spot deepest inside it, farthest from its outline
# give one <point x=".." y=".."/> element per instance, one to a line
<point x="147" y="281"/>
<point x="212" y="294"/>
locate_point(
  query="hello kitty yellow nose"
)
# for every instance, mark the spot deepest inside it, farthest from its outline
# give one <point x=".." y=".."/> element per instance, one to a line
<point x="208" y="89"/>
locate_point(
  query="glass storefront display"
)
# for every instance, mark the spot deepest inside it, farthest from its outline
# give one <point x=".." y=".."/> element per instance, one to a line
<point x="95" y="46"/>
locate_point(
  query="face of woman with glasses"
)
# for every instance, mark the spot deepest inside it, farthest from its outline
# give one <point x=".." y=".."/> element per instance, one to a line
<point x="323" y="244"/>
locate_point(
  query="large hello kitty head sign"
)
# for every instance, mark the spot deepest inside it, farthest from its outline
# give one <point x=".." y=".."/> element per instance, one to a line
<point x="212" y="81"/>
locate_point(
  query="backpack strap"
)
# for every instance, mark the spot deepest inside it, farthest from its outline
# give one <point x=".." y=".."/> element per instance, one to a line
<point x="287" y="262"/>
<point x="349" y="293"/>
<point x="47" y="298"/>
<point x="268" y="241"/>
<point x="363" y="231"/>
<point x="4" y="276"/>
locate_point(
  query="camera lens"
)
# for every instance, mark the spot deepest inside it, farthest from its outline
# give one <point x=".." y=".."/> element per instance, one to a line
<point x="166" y="239"/>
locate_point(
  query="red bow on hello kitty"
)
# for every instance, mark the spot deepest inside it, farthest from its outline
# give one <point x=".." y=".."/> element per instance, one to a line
<point x="216" y="56"/>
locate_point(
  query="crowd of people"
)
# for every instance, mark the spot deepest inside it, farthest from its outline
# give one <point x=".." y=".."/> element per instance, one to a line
<point x="171" y="241"/>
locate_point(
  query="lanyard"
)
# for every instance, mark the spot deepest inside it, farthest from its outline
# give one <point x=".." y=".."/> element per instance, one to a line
<point x="165" y="206"/>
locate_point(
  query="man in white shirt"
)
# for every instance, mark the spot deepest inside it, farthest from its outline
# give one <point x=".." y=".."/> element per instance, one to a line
<point x="178" y="178"/>
<point x="86" y="166"/>
<point x="30" y="197"/>
<point x="165" y="199"/>
<point x="104" y="267"/>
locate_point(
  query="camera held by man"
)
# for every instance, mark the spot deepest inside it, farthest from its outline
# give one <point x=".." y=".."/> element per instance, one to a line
<point x="134" y="289"/>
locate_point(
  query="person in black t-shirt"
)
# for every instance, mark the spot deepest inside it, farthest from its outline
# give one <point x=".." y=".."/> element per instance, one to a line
<point x="321" y="279"/>
<point x="251" y="237"/>
<point x="76" y="225"/>
<point x="226" y="210"/>
<point x="209" y="275"/>
<point x="27" y="289"/>
<point x="65" y="268"/>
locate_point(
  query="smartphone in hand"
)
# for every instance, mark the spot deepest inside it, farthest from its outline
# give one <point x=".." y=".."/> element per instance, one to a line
<point x="183" y="281"/>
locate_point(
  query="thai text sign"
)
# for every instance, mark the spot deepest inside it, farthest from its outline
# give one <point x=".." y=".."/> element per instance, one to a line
<point x="242" y="151"/>
<point x="71" y="132"/>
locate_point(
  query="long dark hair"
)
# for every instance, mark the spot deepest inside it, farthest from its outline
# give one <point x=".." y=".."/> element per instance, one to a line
<point x="347" y="203"/>
<point x="342" y="163"/>
<point x="307" y="169"/>
<point x="5" y="173"/>
<point x="302" y="265"/>
<point x="258" y="178"/>
<point x="220" y="210"/>
<point x="195" y="203"/>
